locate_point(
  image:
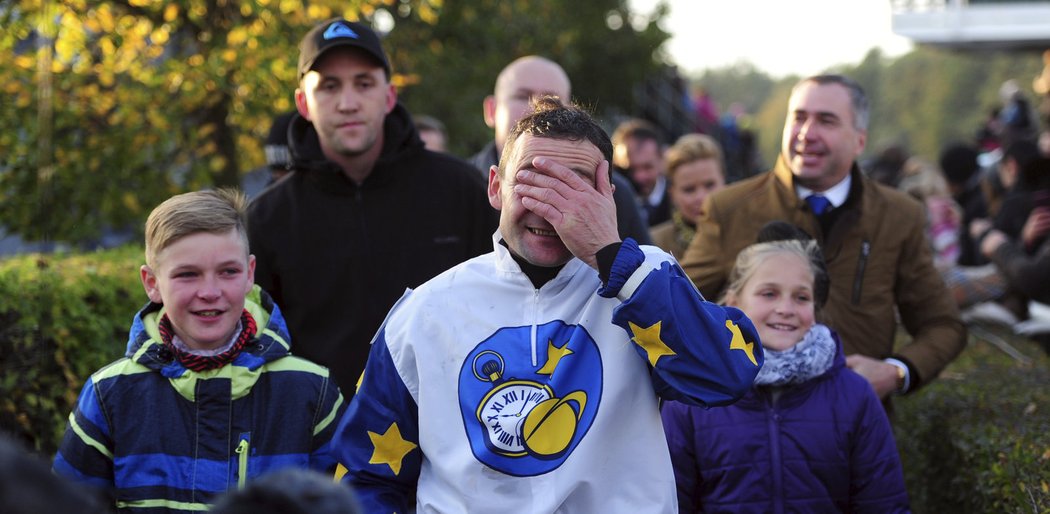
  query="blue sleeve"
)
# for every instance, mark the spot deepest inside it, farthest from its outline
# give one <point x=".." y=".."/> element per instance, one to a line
<point x="876" y="477"/>
<point x="377" y="441"/>
<point x="85" y="454"/>
<point x="330" y="409"/>
<point x="701" y="353"/>
<point x="678" y="426"/>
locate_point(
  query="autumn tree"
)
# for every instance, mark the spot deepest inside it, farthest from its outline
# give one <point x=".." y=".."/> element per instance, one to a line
<point x="450" y="58"/>
<point x="117" y="104"/>
<point x="114" y="105"/>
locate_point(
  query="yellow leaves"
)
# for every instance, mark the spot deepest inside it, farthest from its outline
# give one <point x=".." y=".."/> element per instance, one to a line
<point x="319" y="12"/>
<point x="237" y="36"/>
<point x="217" y="163"/>
<point x="195" y="60"/>
<point x="131" y="201"/>
<point x="139" y="3"/>
<point x="280" y="68"/>
<point x="106" y="45"/>
<point x="26" y="62"/>
<point x="229" y="55"/>
<point x="428" y="14"/>
<point x="158" y="120"/>
<point x="106" y="78"/>
<point x="104" y="18"/>
<point x="290" y="6"/>
<point x="171" y="12"/>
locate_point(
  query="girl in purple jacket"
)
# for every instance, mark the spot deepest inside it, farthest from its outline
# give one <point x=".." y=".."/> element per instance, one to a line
<point x="811" y="435"/>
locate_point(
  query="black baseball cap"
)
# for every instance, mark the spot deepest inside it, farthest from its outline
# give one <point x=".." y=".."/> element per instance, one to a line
<point x="339" y="32"/>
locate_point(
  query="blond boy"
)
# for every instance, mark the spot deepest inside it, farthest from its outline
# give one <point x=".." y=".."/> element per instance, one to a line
<point x="207" y="395"/>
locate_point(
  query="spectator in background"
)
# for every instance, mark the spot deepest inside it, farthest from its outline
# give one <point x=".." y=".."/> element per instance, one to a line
<point x="366" y="212"/>
<point x="1023" y="258"/>
<point x="988" y="134"/>
<point x="706" y="113"/>
<point x="1016" y="119"/>
<point x="1025" y="261"/>
<point x="873" y="236"/>
<point x="432" y="132"/>
<point x="1017" y="199"/>
<point x="811" y="435"/>
<point x="277" y="158"/>
<point x="927" y="184"/>
<point x="518" y="84"/>
<point x="694" y="171"/>
<point x="638" y="153"/>
<point x="886" y="167"/>
<point x="961" y="169"/>
<point x="290" y="491"/>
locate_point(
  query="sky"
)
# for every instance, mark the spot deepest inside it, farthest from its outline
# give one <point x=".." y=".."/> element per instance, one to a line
<point x="780" y="37"/>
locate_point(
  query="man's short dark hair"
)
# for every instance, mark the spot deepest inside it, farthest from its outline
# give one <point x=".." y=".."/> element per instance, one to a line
<point x="551" y="119"/>
<point x="858" y="98"/>
<point x="637" y="129"/>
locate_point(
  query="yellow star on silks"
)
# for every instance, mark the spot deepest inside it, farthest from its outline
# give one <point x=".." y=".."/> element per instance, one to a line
<point x="554" y="355"/>
<point x="390" y="448"/>
<point x="738" y="342"/>
<point x="649" y="340"/>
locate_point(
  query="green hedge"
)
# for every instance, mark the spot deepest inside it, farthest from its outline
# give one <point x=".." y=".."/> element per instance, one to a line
<point x="978" y="438"/>
<point x="61" y="318"/>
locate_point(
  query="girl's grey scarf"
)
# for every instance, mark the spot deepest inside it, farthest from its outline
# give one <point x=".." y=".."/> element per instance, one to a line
<point x="808" y="359"/>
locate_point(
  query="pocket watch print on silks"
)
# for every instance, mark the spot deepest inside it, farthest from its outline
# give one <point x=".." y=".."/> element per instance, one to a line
<point x="525" y="410"/>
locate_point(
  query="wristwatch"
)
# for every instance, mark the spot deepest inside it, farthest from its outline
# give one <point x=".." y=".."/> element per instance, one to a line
<point x="901" y="375"/>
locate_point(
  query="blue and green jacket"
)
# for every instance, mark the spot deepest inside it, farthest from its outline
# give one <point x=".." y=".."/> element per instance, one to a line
<point x="162" y="438"/>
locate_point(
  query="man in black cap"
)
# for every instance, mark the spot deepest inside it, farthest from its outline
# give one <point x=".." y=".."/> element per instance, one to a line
<point x="366" y="211"/>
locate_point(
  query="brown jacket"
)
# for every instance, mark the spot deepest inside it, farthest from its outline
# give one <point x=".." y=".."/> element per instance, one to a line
<point x="665" y="237"/>
<point x="876" y="261"/>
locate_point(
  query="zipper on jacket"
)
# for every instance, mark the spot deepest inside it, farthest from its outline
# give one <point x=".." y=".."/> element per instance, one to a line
<point x="777" y="464"/>
<point x="862" y="262"/>
<point x="242" y="460"/>
<point x="535" y="320"/>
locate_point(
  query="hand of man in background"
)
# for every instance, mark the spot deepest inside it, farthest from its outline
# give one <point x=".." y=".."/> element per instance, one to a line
<point x="882" y="375"/>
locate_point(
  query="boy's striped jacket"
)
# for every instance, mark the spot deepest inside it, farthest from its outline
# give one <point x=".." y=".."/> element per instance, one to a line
<point x="163" y="438"/>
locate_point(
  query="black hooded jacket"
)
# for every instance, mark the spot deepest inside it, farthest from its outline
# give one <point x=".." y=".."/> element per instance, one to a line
<point x="336" y="255"/>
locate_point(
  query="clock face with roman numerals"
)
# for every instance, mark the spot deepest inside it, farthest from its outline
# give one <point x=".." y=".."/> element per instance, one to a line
<point x="503" y="412"/>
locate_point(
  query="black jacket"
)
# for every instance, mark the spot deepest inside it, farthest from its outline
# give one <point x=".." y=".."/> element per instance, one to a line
<point x="336" y="255"/>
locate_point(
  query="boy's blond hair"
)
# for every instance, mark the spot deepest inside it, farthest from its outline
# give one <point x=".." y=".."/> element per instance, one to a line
<point x="213" y="211"/>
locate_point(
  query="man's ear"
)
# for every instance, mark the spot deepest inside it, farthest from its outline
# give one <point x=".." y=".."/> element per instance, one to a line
<point x="495" y="198"/>
<point x="391" y="98"/>
<point x="300" y="104"/>
<point x="149" y="283"/>
<point x="489" y="107"/>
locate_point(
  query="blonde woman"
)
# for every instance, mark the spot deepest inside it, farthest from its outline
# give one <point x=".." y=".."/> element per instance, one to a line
<point x="695" y="169"/>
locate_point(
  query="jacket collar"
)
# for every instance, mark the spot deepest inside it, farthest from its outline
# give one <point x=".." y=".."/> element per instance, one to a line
<point x="271" y="342"/>
<point x="786" y="180"/>
<point x="400" y="140"/>
<point x="506" y="264"/>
